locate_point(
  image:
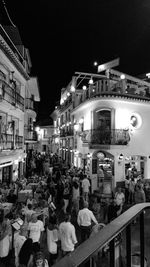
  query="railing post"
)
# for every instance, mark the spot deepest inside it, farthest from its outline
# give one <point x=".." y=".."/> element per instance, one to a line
<point x="112" y="252"/>
<point x="142" y="256"/>
<point x="128" y="245"/>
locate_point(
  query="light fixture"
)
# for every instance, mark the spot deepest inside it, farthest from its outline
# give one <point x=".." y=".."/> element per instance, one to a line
<point x="72" y="88"/>
<point x="95" y="63"/>
<point x="61" y="102"/>
<point x="68" y="94"/>
<point x="76" y="127"/>
<point x="122" y="76"/>
<point x="91" y="81"/>
<point x="121" y="156"/>
<point x="84" y="87"/>
<point x="81" y="121"/>
<point x="12" y="77"/>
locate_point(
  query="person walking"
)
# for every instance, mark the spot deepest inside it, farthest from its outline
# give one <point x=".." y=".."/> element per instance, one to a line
<point x="139" y="194"/>
<point x="52" y="239"/>
<point x="85" y="219"/>
<point x="119" y="199"/>
<point x="35" y="228"/>
<point x="131" y="190"/>
<point x="19" y="240"/>
<point x="85" y="187"/>
<point x="67" y="235"/>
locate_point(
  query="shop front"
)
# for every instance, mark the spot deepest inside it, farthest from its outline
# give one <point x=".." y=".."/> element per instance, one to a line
<point x="6" y="172"/>
<point x="103" y="166"/>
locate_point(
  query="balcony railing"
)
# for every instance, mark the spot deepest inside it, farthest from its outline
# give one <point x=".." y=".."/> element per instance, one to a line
<point x="106" y="137"/>
<point x="64" y="133"/>
<point x="103" y="89"/>
<point x="30" y="135"/>
<point x="18" y="141"/>
<point x="87" y="254"/>
<point x="10" y="95"/>
<point x="29" y="103"/>
<point x="8" y="142"/>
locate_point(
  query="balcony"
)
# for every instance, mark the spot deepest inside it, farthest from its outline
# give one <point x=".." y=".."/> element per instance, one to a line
<point x="8" y="142"/>
<point x="10" y="95"/>
<point x="29" y="104"/>
<point x="105" y="137"/>
<point x="30" y="135"/>
<point x="64" y="133"/>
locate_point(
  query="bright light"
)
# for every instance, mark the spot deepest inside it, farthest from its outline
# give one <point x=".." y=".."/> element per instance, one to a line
<point x="37" y="129"/>
<point x="148" y="75"/>
<point x="68" y="94"/>
<point x="95" y="63"/>
<point x="72" y="88"/>
<point x="101" y="67"/>
<point x="84" y="87"/>
<point x="65" y="98"/>
<point x="56" y="140"/>
<point x="81" y="120"/>
<point x="61" y="101"/>
<point x="91" y="81"/>
<point x="76" y="127"/>
<point x="122" y="76"/>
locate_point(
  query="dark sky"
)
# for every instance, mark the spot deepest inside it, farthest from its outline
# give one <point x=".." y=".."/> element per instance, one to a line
<point x="68" y="36"/>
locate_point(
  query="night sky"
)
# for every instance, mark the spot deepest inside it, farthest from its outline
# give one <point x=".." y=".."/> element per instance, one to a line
<point x="68" y="36"/>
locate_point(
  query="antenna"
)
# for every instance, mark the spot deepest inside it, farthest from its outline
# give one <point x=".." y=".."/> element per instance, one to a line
<point x="8" y="14"/>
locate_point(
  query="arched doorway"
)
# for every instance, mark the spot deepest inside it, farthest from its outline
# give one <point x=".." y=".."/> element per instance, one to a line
<point x="104" y="162"/>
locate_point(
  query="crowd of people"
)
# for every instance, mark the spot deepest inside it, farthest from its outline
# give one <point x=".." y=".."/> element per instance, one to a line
<point x="58" y="214"/>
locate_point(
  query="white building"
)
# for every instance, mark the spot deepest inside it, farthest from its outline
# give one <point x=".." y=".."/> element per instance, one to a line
<point x="15" y="89"/>
<point x="45" y="131"/>
<point x="110" y="117"/>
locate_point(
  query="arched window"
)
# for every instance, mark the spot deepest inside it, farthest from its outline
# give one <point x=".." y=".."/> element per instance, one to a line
<point x="103" y="119"/>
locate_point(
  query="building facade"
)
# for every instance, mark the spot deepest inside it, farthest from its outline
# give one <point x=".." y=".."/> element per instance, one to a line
<point x="104" y="124"/>
<point x="15" y="93"/>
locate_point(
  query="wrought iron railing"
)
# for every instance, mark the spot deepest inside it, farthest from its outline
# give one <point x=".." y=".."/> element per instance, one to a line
<point x="106" y="137"/>
<point x="18" y="141"/>
<point x="87" y="253"/>
<point x="10" y="95"/>
<point x="29" y="103"/>
<point x="68" y="132"/>
<point x="9" y="142"/>
<point x="30" y="134"/>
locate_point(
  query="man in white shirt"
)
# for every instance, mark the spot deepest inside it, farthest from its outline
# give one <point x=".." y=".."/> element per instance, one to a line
<point x="85" y="219"/>
<point x="67" y="235"/>
<point x="35" y="228"/>
<point x="85" y="187"/>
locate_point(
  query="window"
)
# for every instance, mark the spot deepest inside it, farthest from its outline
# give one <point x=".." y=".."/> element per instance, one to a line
<point x="103" y="119"/>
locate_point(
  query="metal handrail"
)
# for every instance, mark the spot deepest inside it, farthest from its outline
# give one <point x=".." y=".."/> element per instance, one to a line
<point x="108" y="235"/>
